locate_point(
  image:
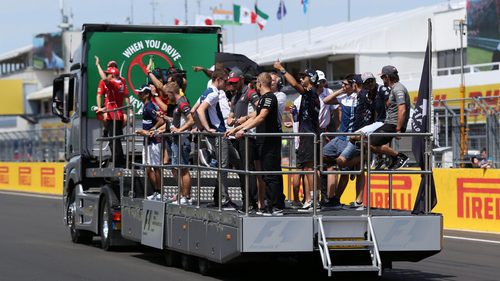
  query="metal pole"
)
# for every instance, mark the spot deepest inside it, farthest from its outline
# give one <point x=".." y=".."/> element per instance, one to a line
<point x="368" y="172"/>
<point x="113" y="142"/>
<point x="292" y="144"/>
<point x="315" y="175"/>
<point x="198" y="173"/>
<point x="179" y="175"/>
<point x="428" y="142"/>
<point x="390" y="192"/>
<point x="146" y="167"/>
<point x="247" y="180"/>
<point x="219" y="174"/>
<point x="162" y="152"/>
<point x="463" y="131"/>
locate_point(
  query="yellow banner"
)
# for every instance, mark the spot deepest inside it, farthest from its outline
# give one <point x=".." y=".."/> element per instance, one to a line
<point x="11" y="92"/>
<point x="469" y="199"/>
<point x="474" y="113"/>
<point x="46" y="178"/>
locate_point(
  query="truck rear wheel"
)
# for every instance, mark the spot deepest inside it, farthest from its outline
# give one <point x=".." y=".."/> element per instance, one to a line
<point x="205" y="267"/>
<point x="171" y="258"/>
<point x="77" y="235"/>
<point x="105" y="224"/>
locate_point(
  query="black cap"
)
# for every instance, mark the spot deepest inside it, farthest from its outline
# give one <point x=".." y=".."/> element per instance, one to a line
<point x="313" y="75"/>
<point x="388" y="69"/>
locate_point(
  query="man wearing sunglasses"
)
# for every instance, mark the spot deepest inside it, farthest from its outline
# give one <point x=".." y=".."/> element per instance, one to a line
<point x="243" y="103"/>
<point x="398" y="113"/>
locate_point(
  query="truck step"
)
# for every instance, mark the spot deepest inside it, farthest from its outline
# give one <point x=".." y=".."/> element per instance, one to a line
<point x="347" y="268"/>
<point x="348" y="243"/>
<point x="344" y="218"/>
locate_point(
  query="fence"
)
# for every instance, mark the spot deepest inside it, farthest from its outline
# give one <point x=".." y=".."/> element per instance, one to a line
<point x="483" y="127"/>
<point x="44" y="145"/>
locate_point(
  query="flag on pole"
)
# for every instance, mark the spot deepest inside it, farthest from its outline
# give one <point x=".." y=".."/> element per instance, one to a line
<point x="223" y="17"/>
<point x="261" y="17"/>
<point x="244" y="15"/>
<point x="204" y="20"/>
<point x="304" y="5"/>
<point x="421" y="125"/>
<point x="178" y="22"/>
<point x="281" y="10"/>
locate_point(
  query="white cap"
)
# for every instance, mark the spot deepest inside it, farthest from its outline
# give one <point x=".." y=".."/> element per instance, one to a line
<point x="321" y="75"/>
<point x="367" y="75"/>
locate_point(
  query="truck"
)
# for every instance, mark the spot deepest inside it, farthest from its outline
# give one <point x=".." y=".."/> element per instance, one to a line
<point x="110" y="202"/>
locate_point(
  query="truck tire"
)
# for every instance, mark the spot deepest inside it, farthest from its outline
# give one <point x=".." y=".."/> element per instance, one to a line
<point x="205" y="267"/>
<point x="77" y="235"/>
<point x="105" y="222"/>
<point x="171" y="258"/>
<point x="189" y="263"/>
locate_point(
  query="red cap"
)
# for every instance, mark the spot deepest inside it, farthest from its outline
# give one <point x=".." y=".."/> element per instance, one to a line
<point x="112" y="70"/>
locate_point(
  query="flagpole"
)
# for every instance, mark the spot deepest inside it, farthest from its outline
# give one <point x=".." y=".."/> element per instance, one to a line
<point x="232" y="30"/>
<point x="430" y="117"/>
<point x="282" y="6"/>
<point x="308" y="27"/>
<point x="256" y="34"/>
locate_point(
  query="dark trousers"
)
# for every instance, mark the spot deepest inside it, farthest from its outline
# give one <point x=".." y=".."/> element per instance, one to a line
<point x="252" y="180"/>
<point x="270" y="158"/>
<point x="115" y="145"/>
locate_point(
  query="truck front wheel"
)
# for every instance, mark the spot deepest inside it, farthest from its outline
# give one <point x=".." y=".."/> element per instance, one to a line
<point x="77" y="235"/>
<point x="105" y="225"/>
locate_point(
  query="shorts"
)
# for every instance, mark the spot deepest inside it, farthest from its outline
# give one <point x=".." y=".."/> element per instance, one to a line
<point x="350" y="151"/>
<point x="335" y="147"/>
<point x="371" y="128"/>
<point x="185" y="150"/>
<point x="152" y="157"/>
<point x="306" y="151"/>
<point x="381" y="140"/>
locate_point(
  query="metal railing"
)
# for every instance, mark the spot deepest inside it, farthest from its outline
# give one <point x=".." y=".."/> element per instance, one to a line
<point x="43" y="145"/>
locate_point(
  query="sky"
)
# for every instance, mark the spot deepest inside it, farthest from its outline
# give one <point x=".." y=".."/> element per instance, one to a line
<point x="20" y="20"/>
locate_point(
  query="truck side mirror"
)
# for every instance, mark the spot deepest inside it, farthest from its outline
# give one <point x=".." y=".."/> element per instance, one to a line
<point x="62" y="96"/>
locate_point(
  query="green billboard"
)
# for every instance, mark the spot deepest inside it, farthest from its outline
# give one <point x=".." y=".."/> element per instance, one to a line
<point x="132" y="50"/>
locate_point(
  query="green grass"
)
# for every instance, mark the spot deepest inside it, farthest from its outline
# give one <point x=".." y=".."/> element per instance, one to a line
<point x="478" y="56"/>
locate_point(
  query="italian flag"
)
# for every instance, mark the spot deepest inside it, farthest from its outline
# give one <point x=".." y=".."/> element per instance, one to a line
<point x="261" y="18"/>
<point x="244" y="15"/>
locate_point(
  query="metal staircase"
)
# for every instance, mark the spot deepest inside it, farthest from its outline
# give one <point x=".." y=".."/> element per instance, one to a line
<point x="332" y="236"/>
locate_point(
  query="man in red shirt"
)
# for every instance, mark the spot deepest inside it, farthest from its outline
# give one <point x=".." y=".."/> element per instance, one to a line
<point x="115" y="91"/>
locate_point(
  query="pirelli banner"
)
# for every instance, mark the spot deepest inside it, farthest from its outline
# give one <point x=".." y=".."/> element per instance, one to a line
<point x="469" y="199"/>
<point x="44" y="178"/>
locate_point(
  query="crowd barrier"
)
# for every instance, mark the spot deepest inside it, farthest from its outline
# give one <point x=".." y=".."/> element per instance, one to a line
<point x="469" y="199"/>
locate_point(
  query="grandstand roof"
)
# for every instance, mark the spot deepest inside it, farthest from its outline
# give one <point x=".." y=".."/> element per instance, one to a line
<point x="15" y="53"/>
<point x="394" y="32"/>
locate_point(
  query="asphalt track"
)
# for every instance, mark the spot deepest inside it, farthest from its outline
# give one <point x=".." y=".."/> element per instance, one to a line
<point x="34" y="245"/>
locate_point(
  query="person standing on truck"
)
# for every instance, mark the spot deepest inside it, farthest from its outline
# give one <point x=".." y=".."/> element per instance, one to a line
<point x="181" y="121"/>
<point x="269" y="148"/>
<point x="308" y="123"/>
<point x="211" y="119"/>
<point x="151" y="150"/>
<point x="398" y="114"/>
<point x="243" y="104"/>
<point x="115" y="92"/>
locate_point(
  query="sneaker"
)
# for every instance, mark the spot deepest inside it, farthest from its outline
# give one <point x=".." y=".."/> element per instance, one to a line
<point x="307" y="205"/>
<point x="229" y="206"/>
<point x="243" y="209"/>
<point x="277" y="212"/>
<point x="296" y="205"/>
<point x="268" y="212"/>
<point x="154" y="196"/>
<point x="333" y="203"/>
<point x="379" y="163"/>
<point x="399" y="161"/>
<point x="260" y="212"/>
<point x="184" y="201"/>
<point x="204" y="157"/>
<point x="355" y="204"/>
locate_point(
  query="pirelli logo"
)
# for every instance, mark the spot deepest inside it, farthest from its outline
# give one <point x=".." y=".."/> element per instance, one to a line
<point x="478" y="198"/>
<point x="401" y="192"/>
<point x="48" y="178"/>
<point x="24" y="175"/>
<point x="4" y="175"/>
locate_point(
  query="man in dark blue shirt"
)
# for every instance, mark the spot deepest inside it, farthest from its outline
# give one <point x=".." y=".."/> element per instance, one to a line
<point x="152" y="150"/>
<point x="308" y="123"/>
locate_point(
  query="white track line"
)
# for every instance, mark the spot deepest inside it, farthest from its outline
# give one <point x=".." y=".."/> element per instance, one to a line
<point x="31" y="194"/>
<point x="472" y="239"/>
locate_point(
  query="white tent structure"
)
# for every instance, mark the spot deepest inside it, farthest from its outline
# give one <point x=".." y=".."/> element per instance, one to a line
<point x="398" y="38"/>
